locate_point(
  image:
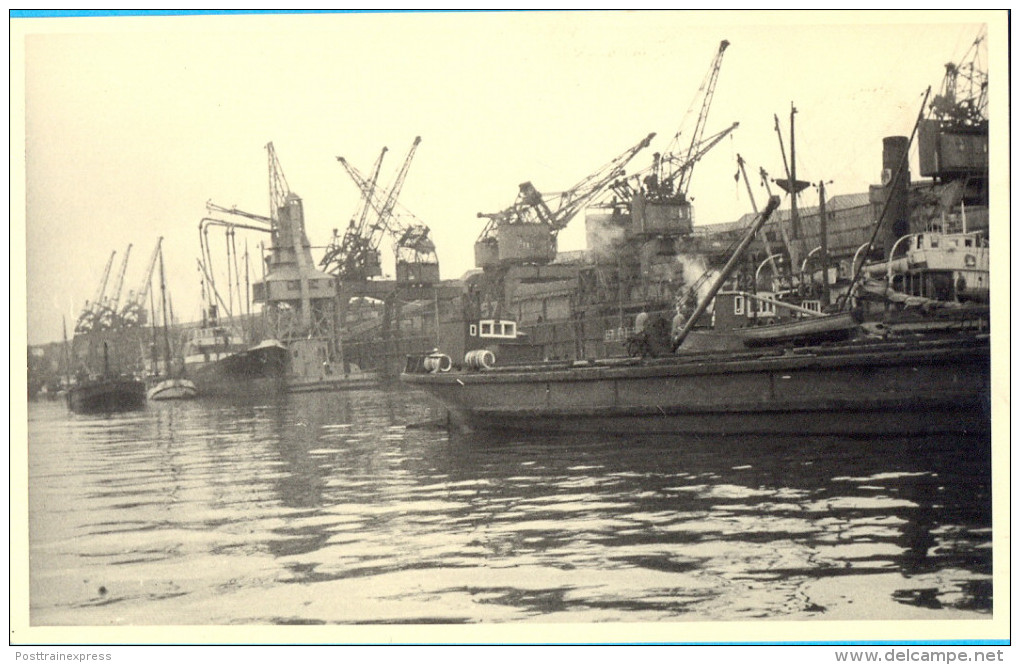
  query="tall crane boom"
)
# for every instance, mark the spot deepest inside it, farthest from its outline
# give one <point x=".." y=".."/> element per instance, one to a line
<point x="525" y="233"/>
<point x="212" y="207"/>
<point x="708" y="87"/>
<point x="383" y="204"/>
<point x="101" y="291"/>
<point x="583" y="192"/>
<point x="143" y="291"/>
<point x="90" y="313"/>
<point x="531" y="207"/>
<point x="118" y="285"/>
<point x="371" y="200"/>
<point x="398" y="184"/>
<point x="278" y="187"/>
<point x="368" y="189"/>
<point x="134" y="308"/>
<point x="355" y="255"/>
<point x="107" y="314"/>
<point x="672" y="171"/>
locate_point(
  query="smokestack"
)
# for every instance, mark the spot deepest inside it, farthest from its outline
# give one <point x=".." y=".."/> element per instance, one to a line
<point x="894" y="159"/>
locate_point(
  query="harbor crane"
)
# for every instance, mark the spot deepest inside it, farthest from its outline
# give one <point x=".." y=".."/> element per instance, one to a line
<point x="352" y="257"/>
<point x="526" y="231"/>
<point x="234" y="210"/>
<point x="279" y="190"/>
<point x="963" y="100"/>
<point x="108" y="310"/>
<point x="671" y="171"/>
<point x="90" y="313"/>
<point x="134" y="310"/>
<point x="653" y="204"/>
<point x="298" y="301"/>
<point x="355" y="256"/>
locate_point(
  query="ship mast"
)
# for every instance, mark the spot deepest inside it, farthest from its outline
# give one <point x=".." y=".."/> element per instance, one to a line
<point x="166" y="319"/>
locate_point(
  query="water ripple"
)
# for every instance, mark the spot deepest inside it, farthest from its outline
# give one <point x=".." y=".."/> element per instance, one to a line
<point x="326" y="508"/>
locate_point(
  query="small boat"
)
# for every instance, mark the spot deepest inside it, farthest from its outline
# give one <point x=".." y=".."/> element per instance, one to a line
<point x="106" y="394"/>
<point x="167" y="389"/>
<point x="166" y="386"/>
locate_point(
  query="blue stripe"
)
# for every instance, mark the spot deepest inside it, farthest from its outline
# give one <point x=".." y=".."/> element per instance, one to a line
<point x="834" y="643"/>
<point x="87" y="13"/>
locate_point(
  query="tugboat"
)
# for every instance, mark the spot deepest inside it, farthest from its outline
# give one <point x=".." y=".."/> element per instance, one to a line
<point x="941" y="282"/>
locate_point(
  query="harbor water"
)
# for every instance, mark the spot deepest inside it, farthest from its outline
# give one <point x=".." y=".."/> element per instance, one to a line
<point x="353" y="508"/>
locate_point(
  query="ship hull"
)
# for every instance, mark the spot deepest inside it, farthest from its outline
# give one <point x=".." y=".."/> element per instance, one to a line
<point x="863" y="389"/>
<point x="259" y="371"/>
<point x="107" y="396"/>
<point x="358" y="381"/>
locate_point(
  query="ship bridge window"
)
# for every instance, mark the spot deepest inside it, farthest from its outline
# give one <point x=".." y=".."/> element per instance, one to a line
<point x="813" y="305"/>
<point x="738" y="305"/>
<point x="501" y="329"/>
<point x="473" y="330"/>
<point x="968" y="242"/>
<point x="766" y="307"/>
<point x="934" y="240"/>
<point x="920" y="238"/>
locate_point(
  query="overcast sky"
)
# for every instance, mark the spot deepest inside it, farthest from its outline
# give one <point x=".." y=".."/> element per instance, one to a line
<point x="132" y="124"/>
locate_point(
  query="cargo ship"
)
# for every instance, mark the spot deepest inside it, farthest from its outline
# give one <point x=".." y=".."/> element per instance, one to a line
<point x="219" y="363"/>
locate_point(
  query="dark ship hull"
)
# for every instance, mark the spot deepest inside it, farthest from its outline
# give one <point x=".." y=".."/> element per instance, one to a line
<point x="258" y="371"/>
<point x="862" y="388"/>
<point x="107" y="395"/>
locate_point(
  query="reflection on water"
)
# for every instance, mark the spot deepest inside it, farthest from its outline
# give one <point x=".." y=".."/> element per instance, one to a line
<point x="328" y="508"/>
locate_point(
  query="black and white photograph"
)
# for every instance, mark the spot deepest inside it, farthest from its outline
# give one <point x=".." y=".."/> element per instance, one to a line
<point x="510" y="327"/>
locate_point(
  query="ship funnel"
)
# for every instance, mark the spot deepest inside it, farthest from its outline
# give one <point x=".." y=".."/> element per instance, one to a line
<point x="897" y="222"/>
